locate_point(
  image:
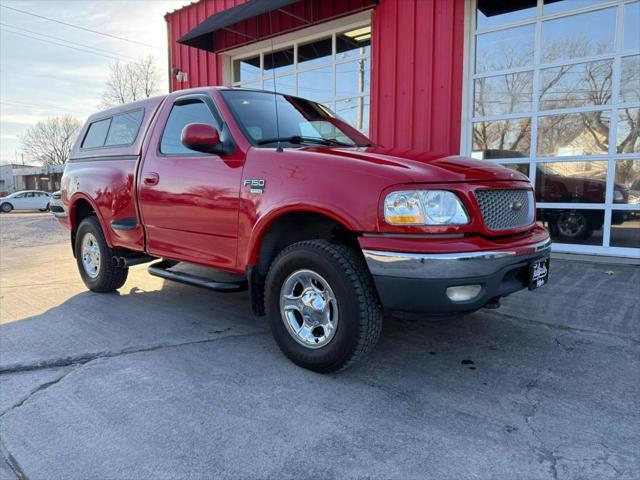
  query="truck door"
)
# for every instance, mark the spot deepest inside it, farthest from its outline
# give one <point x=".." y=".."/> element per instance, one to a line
<point x="189" y="200"/>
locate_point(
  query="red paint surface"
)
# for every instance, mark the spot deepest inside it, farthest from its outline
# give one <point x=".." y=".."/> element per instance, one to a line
<point x="417" y="61"/>
<point x="199" y="212"/>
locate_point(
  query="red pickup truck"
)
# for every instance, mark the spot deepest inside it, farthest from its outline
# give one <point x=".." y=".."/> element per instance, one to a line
<point x="324" y="228"/>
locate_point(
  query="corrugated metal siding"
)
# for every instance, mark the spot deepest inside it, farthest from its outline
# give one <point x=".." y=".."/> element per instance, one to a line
<point x="416" y="92"/>
<point x="417" y="61"/>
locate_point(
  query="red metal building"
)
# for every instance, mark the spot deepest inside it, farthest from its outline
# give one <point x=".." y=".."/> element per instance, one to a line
<point x="546" y="87"/>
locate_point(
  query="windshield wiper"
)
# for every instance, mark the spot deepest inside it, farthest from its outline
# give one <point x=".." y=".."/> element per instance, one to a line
<point x="298" y="139"/>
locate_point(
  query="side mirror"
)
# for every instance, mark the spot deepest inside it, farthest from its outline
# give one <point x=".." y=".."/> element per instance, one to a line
<point x="201" y="138"/>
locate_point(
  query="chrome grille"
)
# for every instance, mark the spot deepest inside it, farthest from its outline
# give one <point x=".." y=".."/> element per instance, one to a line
<point x="499" y="208"/>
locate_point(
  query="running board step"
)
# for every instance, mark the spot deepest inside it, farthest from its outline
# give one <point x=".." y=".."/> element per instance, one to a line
<point x="161" y="269"/>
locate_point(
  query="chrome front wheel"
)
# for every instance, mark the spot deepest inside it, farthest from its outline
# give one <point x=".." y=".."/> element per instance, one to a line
<point x="309" y="309"/>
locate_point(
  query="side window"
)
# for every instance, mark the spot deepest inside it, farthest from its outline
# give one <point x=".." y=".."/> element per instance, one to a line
<point x="124" y="128"/>
<point x="96" y="134"/>
<point x="182" y="114"/>
<point x="21" y="195"/>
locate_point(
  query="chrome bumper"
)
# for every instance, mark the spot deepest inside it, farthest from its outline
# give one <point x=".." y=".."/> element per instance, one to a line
<point x="450" y="265"/>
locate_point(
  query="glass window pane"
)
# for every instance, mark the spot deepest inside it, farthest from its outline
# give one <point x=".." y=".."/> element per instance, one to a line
<point x="316" y="84"/>
<point x="504" y="49"/>
<point x="354" y="111"/>
<point x="352" y="78"/>
<point x="583" y="227"/>
<point x="576" y="85"/>
<point x="315" y="53"/>
<point x="180" y="116"/>
<point x="628" y="133"/>
<point x="503" y="94"/>
<point x="555" y="6"/>
<point x="573" y="134"/>
<point x="285" y="85"/>
<point x="627" y="181"/>
<point x="502" y="139"/>
<point x="96" y="134"/>
<point x="571" y="182"/>
<point x="518" y="167"/>
<point x="576" y="36"/>
<point x="280" y="61"/>
<point x="630" y="79"/>
<point x="256" y="85"/>
<point x="246" y="69"/>
<point x="124" y="128"/>
<point x="353" y="43"/>
<point x="625" y="228"/>
<point x="491" y="12"/>
<point x="631" y="39"/>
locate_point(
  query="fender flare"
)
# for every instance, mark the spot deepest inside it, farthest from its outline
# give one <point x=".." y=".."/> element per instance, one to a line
<point x="265" y="221"/>
<point x="72" y="214"/>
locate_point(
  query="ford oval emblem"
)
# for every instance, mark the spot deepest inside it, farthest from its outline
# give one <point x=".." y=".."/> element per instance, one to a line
<point x="516" y="205"/>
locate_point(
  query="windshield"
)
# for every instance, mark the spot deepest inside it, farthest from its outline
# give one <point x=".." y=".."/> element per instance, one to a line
<point x="300" y="122"/>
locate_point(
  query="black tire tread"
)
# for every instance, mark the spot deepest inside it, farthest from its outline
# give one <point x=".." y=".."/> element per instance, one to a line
<point x="111" y="277"/>
<point x="367" y="299"/>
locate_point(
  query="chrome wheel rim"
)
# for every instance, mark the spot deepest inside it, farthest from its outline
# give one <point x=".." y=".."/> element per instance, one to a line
<point x="309" y="309"/>
<point x="90" y="252"/>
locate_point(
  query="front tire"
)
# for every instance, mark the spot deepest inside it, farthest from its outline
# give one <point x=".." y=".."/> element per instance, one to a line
<point x="94" y="258"/>
<point x="6" y="207"/>
<point x="322" y="305"/>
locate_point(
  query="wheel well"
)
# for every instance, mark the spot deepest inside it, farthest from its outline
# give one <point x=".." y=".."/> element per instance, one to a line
<point x="284" y="231"/>
<point x="82" y="209"/>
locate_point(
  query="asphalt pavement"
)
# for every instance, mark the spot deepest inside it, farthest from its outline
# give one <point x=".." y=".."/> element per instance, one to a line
<point x="166" y="381"/>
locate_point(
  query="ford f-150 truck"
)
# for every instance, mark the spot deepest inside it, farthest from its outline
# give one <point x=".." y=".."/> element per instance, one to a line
<point x="324" y="228"/>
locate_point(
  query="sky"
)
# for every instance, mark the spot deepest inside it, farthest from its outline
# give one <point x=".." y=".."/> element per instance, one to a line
<point x="44" y="78"/>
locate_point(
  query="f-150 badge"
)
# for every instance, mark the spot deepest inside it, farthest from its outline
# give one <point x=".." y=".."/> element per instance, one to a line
<point x="256" y="185"/>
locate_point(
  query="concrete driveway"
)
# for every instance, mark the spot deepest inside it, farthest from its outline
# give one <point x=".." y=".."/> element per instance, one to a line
<point x="164" y="381"/>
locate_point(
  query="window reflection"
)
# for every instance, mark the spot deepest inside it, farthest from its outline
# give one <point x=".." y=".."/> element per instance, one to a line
<point x="285" y="84"/>
<point x="571" y="182"/>
<point x="353" y="43"/>
<point x="576" y="85"/>
<point x="315" y="53"/>
<point x="555" y="6"/>
<point x="503" y="94"/>
<point x="628" y="178"/>
<point x="509" y="48"/>
<point x="246" y="69"/>
<point x="518" y="167"/>
<point x="502" y="138"/>
<point x="352" y="78"/>
<point x="628" y="131"/>
<point x="578" y="36"/>
<point x="355" y="111"/>
<point x="631" y="38"/>
<point x="492" y="13"/>
<point x="316" y="84"/>
<point x="630" y="79"/>
<point x="625" y="229"/>
<point x="573" y="134"/>
<point x="280" y="61"/>
<point x="575" y="226"/>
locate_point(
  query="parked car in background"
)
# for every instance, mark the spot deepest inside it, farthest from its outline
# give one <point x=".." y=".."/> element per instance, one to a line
<point x="55" y="205"/>
<point x="25" y="200"/>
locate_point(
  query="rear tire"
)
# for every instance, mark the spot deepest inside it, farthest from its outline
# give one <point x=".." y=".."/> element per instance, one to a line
<point x="335" y="288"/>
<point x="94" y="258"/>
<point x="6" y="207"/>
<point x="46" y="209"/>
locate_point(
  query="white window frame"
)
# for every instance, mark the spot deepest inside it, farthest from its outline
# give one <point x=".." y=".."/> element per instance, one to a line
<point x="294" y="39"/>
<point x="468" y="118"/>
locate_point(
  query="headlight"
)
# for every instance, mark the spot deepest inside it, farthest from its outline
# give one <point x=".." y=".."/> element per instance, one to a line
<point x="424" y="207"/>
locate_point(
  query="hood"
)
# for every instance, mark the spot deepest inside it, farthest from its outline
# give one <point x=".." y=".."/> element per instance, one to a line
<point x="422" y="167"/>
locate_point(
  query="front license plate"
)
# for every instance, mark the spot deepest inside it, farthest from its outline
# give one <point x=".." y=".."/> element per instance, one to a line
<point x="538" y="273"/>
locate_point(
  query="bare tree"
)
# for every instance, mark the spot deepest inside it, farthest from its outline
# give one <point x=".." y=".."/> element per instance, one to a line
<point x="50" y="141"/>
<point x="129" y="82"/>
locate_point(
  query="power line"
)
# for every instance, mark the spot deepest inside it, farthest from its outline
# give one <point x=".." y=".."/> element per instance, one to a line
<point x="65" y="40"/>
<point x="78" y="27"/>
<point x="60" y="44"/>
<point x="42" y="107"/>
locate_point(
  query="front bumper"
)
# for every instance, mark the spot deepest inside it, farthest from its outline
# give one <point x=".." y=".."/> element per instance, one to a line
<point x="418" y="282"/>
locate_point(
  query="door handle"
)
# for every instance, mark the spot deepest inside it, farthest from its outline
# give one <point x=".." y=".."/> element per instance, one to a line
<point x="151" y="178"/>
